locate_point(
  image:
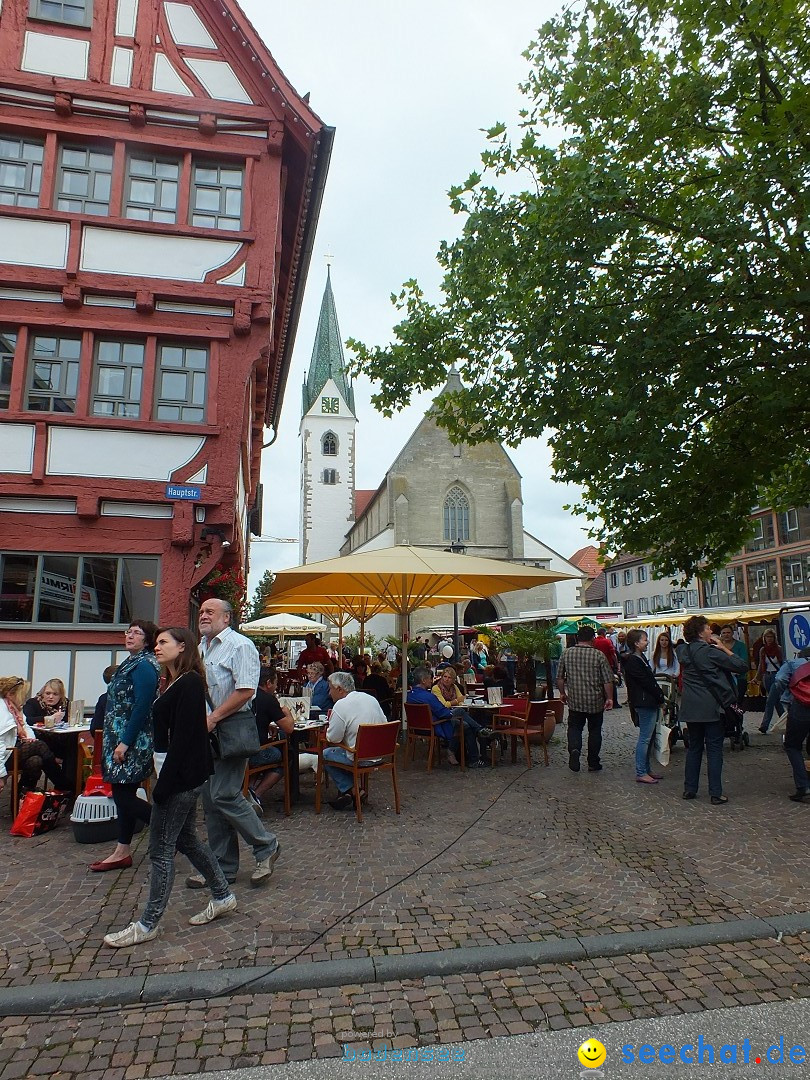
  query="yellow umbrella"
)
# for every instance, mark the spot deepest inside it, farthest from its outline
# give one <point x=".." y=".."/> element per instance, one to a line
<point x="359" y="609"/>
<point x="404" y="579"/>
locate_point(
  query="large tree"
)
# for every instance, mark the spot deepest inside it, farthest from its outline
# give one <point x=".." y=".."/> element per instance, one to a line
<point x="644" y="295"/>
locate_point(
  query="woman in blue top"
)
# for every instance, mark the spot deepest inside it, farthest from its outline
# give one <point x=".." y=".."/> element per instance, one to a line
<point x="128" y="745"/>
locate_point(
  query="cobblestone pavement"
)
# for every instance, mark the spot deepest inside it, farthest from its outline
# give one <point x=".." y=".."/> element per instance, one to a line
<point x="541" y="853"/>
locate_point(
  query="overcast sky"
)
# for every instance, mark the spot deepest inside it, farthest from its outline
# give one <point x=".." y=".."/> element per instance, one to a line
<point x="409" y="89"/>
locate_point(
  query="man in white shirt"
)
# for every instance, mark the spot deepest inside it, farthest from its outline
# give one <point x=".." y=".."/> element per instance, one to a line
<point x="232" y="670"/>
<point x="351" y="709"/>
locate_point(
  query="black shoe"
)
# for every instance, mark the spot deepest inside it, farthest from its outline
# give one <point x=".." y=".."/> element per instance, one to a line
<point x="480" y="764"/>
<point x="342" y="802"/>
<point x="719" y="800"/>
<point x="594" y="768"/>
<point x="689" y="795"/>
<point x="573" y="760"/>
<point x="801" y="795"/>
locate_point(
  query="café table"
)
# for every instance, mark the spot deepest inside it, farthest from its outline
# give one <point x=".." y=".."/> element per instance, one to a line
<point x="304" y="732"/>
<point x="63" y="740"/>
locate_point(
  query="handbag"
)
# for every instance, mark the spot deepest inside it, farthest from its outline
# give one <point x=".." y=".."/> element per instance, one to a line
<point x="38" y="813"/>
<point x="236" y="737"/>
<point x="733" y="713"/>
<point x="661" y="739"/>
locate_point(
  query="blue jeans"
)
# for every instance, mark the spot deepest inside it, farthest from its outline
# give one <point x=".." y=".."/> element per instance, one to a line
<point x="710" y="735"/>
<point x="271" y="755"/>
<point x="773" y="700"/>
<point x="228" y="815"/>
<point x="344" y="781"/>
<point x="173" y="828"/>
<point x="646" y="731"/>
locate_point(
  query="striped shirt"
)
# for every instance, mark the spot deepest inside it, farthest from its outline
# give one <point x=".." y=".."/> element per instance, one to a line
<point x="585" y="671"/>
<point x="231" y="663"/>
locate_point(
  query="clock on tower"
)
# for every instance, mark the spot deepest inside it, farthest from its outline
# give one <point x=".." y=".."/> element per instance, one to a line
<point x="330" y="405"/>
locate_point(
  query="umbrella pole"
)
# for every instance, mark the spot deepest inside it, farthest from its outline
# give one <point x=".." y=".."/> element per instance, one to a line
<point x="362" y="634"/>
<point x="405" y="639"/>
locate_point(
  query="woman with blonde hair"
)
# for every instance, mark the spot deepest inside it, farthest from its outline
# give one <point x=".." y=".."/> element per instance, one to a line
<point x="50" y="702"/>
<point x="34" y="756"/>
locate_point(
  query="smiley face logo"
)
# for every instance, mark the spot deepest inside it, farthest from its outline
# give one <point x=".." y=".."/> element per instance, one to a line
<point x="592" y="1054"/>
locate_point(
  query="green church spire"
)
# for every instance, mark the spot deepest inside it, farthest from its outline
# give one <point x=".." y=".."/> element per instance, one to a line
<point x="327" y="354"/>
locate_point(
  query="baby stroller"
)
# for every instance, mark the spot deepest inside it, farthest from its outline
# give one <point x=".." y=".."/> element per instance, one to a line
<point x="733" y="730"/>
<point x="671" y="711"/>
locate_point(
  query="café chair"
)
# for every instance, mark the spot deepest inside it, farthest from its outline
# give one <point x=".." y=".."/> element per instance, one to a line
<point x="13" y="768"/>
<point x="420" y="725"/>
<point x="526" y="719"/>
<point x="259" y="770"/>
<point x="374" y="751"/>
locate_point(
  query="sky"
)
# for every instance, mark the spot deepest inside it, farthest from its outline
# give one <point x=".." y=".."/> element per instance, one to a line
<point x="409" y="89"/>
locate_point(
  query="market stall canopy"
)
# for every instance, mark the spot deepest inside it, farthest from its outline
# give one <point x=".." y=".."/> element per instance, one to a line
<point x="284" y="623"/>
<point x="678" y="618"/>
<point x="570" y="626"/>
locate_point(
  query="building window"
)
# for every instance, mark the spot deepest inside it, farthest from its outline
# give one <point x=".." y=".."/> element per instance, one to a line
<point x="329" y="476"/>
<point x="90" y="589"/>
<point x="8" y="343"/>
<point x="85" y="180"/>
<point x="53" y="374"/>
<point x="329" y="444"/>
<point x="456" y="516"/>
<point x="216" y="197"/>
<point x="641" y="574"/>
<point x="614" y="581"/>
<point x="796" y="576"/>
<point x="642" y="606"/>
<point x="181" y="383"/>
<point x="628" y="577"/>
<point x="763" y="583"/>
<point x="72" y="12"/>
<point x="151" y="189"/>
<point x="20" y="171"/>
<point x="794" y="525"/>
<point x="692" y="598"/>
<point x="677" y="599"/>
<point x="118" y="378"/>
<point x="629" y="609"/>
<point x="658" y="602"/>
<point x="763" y="534"/>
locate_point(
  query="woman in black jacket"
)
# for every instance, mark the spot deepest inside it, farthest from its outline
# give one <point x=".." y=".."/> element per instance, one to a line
<point x="181" y="731"/>
<point x="646" y="696"/>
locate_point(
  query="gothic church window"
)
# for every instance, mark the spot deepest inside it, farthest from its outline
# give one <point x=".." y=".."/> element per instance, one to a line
<point x="329" y="444"/>
<point x="330" y="476"/>
<point x="456" y="516"/>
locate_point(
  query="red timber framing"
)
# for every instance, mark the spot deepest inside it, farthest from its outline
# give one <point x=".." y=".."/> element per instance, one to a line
<point x="160" y="184"/>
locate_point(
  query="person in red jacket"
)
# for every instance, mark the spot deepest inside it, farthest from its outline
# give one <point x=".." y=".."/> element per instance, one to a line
<point x="314" y="653"/>
<point x="605" y="646"/>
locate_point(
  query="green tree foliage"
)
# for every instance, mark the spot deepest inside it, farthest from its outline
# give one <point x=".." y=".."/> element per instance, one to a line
<point x="371" y="645"/>
<point x="645" y="295"/>
<point x="260" y="595"/>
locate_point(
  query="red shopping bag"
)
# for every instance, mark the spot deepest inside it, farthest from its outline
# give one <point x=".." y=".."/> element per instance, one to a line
<point x="38" y="814"/>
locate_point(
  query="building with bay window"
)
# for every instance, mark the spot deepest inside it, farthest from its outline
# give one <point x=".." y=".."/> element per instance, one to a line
<point x="160" y="183"/>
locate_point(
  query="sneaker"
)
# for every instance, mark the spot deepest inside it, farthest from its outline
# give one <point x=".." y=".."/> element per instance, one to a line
<point x="214" y="910"/>
<point x="342" y="802"/>
<point x="197" y="881"/>
<point x="480" y="764"/>
<point x="573" y="760"/>
<point x="133" y="934"/>
<point x="486" y="733"/>
<point x="264" y="868"/>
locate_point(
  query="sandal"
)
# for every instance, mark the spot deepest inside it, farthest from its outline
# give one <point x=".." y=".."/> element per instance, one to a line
<point x="719" y="800"/>
<point x="646" y="780"/>
<point x="656" y="775"/>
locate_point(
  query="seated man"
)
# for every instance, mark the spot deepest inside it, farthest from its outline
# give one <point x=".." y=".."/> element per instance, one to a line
<point x="318" y="687"/>
<point x="351" y="709"/>
<point x="376" y="684"/>
<point x="450" y="719"/>
<point x="270" y="719"/>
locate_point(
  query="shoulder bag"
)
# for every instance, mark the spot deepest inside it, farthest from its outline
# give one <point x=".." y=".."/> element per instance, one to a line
<point x="731" y="710"/>
<point x="234" y="737"/>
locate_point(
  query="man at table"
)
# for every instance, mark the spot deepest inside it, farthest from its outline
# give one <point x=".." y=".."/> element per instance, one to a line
<point x="318" y="687"/>
<point x="351" y="709"/>
<point x="450" y="720"/>
<point x="271" y="718"/>
<point x="232" y="672"/>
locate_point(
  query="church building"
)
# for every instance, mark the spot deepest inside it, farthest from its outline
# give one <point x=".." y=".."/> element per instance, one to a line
<point x="435" y="494"/>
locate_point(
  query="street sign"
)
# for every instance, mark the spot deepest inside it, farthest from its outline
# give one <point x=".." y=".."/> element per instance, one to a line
<point x="183" y="492"/>
<point x="795" y="631"/>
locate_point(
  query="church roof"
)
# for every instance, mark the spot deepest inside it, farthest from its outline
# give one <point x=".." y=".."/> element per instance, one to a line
<point x="327" y="354"/>
<point x="587" y="559"/>
<point x="362" y="497"/>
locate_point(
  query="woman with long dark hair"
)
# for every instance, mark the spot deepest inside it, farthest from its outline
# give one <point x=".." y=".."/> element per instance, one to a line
<point x="665" y="659"/>
<point x="646" y="697"/>
<point x="128" y="746"/>
<point x="181" y="732"/>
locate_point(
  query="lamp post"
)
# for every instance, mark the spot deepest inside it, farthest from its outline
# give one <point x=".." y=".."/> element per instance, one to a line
<point x="457" y="549"/>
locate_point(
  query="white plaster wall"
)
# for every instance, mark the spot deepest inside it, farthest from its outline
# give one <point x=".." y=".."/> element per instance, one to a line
<point x="136" y="254"/>
<point x="186" y="27"/>
<point x="25" y="242"/>
<point x="384" y="539"/>
<point x="87" y="681"/>
<point x="38" y="506"/>
<point x="52" y="54"/>
<point x="121" y="74"/>
<point x="126" y="18"/>
<point x="50" y="664"/>
<point x="647" y="589"/>
<point x="127" y="455"/>
<point x="165" y="78"/>
<point x="219" y="80"/>
<point x="17" y="448"/>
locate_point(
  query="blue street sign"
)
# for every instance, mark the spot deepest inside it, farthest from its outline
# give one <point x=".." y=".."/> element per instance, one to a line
<point x="799" y="630"/>
<point x="183" y="492"/>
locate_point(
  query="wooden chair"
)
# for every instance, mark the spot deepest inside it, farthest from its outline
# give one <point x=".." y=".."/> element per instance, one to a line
<point x="419" y="724"/>
<point x="374" y="751"/>
<point x="537" y="719"/>
<point x="259" y="770"/>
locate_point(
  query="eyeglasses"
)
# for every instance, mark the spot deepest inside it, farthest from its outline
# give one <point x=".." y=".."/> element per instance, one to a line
<point x="134" y="630"/>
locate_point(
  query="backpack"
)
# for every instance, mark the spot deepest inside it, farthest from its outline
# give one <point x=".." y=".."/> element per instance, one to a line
<point x="799" y="685"/>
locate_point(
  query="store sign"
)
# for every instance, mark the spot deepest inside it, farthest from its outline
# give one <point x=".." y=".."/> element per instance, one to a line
<point x="57" y="590"/>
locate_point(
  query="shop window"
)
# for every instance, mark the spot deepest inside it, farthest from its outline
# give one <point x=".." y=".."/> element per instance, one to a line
<point x="85" y="180"/>
<point x="53" y="378"/>
<point x="181" y="383"/>
<point x="152" y="187"/>
<point x="216" y="197"/>
<point x="20" y="171"/>
<point x="118" y="378"/>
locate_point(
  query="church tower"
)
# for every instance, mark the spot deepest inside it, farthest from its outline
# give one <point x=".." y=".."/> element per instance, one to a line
<point x="327" y="431"/>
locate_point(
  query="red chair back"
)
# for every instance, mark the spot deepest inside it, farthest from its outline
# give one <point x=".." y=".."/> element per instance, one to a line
<point x="376" y="740"/>
<point x="418" y="717"/>
<point x="519" y="709"/>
